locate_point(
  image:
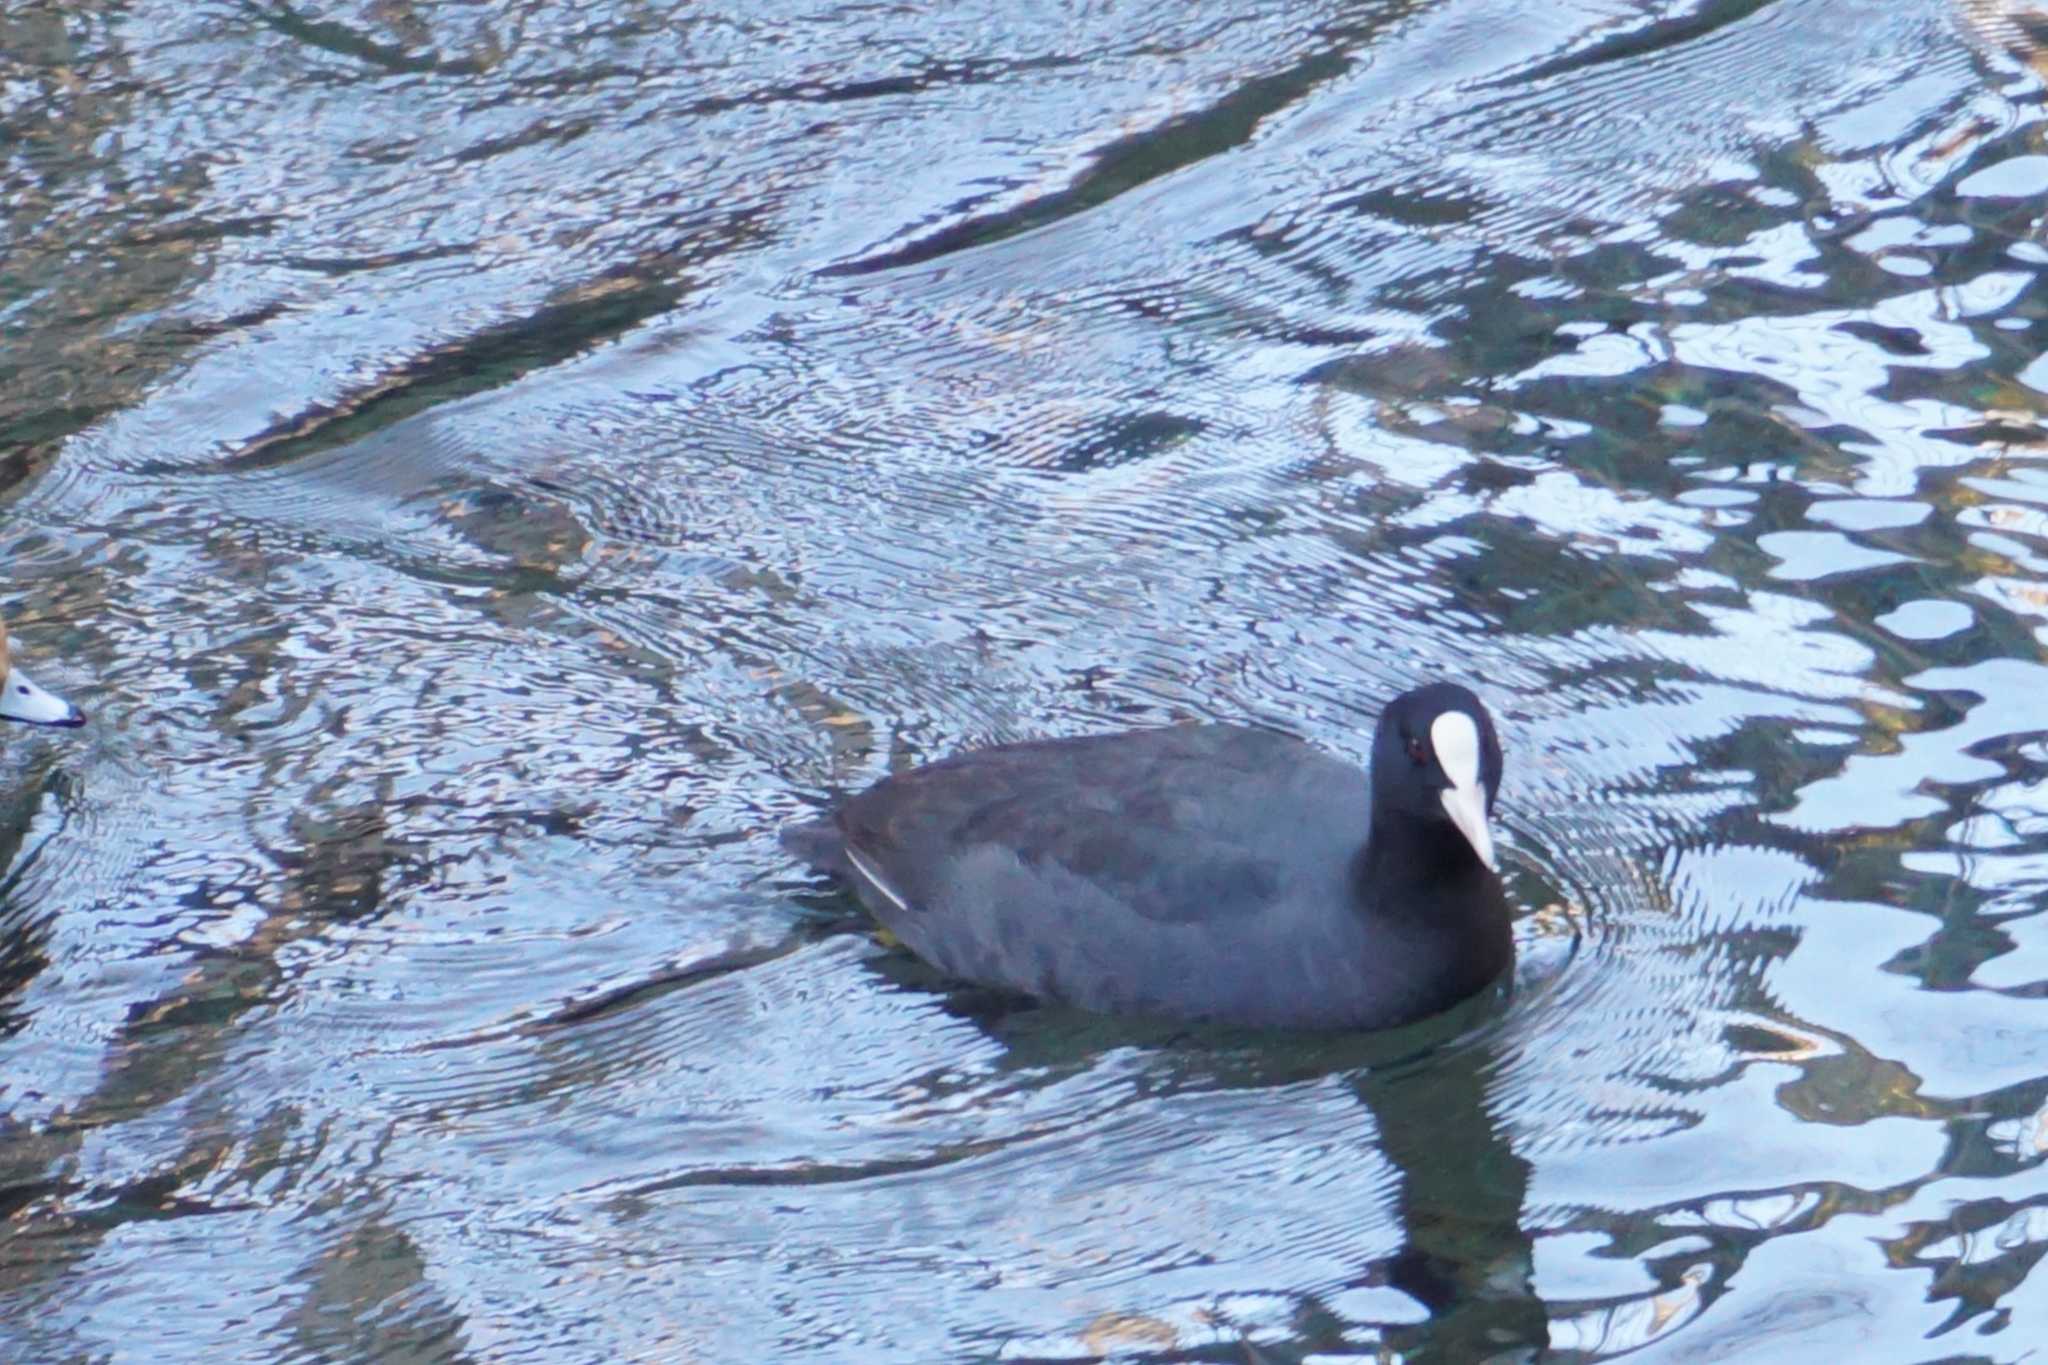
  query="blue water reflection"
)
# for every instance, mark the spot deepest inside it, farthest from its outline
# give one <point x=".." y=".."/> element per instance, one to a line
<point x="486" y="468"/>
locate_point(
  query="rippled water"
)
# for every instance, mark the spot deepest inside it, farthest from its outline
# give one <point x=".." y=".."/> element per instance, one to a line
<point x="486" y="467"/>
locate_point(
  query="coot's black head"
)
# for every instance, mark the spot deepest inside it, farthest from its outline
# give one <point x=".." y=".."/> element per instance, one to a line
<point x="1437" y="758"/>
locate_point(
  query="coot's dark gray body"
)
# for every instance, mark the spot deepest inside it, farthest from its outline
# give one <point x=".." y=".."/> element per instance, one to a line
<point x="1201" y="872"/>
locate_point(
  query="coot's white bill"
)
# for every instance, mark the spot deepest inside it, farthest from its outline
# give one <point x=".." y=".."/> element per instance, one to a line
<point x="1467" y="808"/>
<point x="1456" y="738"/>
<point x="22" y="700"/>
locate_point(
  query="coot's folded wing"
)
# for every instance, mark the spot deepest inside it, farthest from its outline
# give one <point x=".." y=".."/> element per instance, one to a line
<point x="1172" y="824"/>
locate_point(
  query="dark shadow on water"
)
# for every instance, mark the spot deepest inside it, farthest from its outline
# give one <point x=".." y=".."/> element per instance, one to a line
<point x="1465" y="1256"/>
<point x="24" y="928"/>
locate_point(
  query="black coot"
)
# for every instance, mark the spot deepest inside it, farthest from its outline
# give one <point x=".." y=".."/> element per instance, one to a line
<point x="1200" y="872"/>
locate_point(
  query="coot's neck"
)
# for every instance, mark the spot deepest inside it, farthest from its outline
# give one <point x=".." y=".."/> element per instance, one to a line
<point x="1420" y="883"/>
<point x="1409" y="861"/>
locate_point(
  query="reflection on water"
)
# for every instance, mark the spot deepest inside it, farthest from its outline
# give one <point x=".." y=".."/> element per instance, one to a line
<point x="485" y="469"/>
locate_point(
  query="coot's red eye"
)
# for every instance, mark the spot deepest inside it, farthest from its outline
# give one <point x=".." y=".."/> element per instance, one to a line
<point x="1418" y="751"/>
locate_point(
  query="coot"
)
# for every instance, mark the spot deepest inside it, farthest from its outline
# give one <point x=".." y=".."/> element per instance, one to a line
<point x="1201" y="872"/>
<point x="22" y="700"/>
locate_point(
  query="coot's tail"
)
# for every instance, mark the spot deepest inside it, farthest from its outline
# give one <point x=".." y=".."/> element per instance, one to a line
<point x="817" y="842"/>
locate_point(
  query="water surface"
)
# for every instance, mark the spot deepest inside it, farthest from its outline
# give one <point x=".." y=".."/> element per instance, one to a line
<point x="487" y="467"/>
